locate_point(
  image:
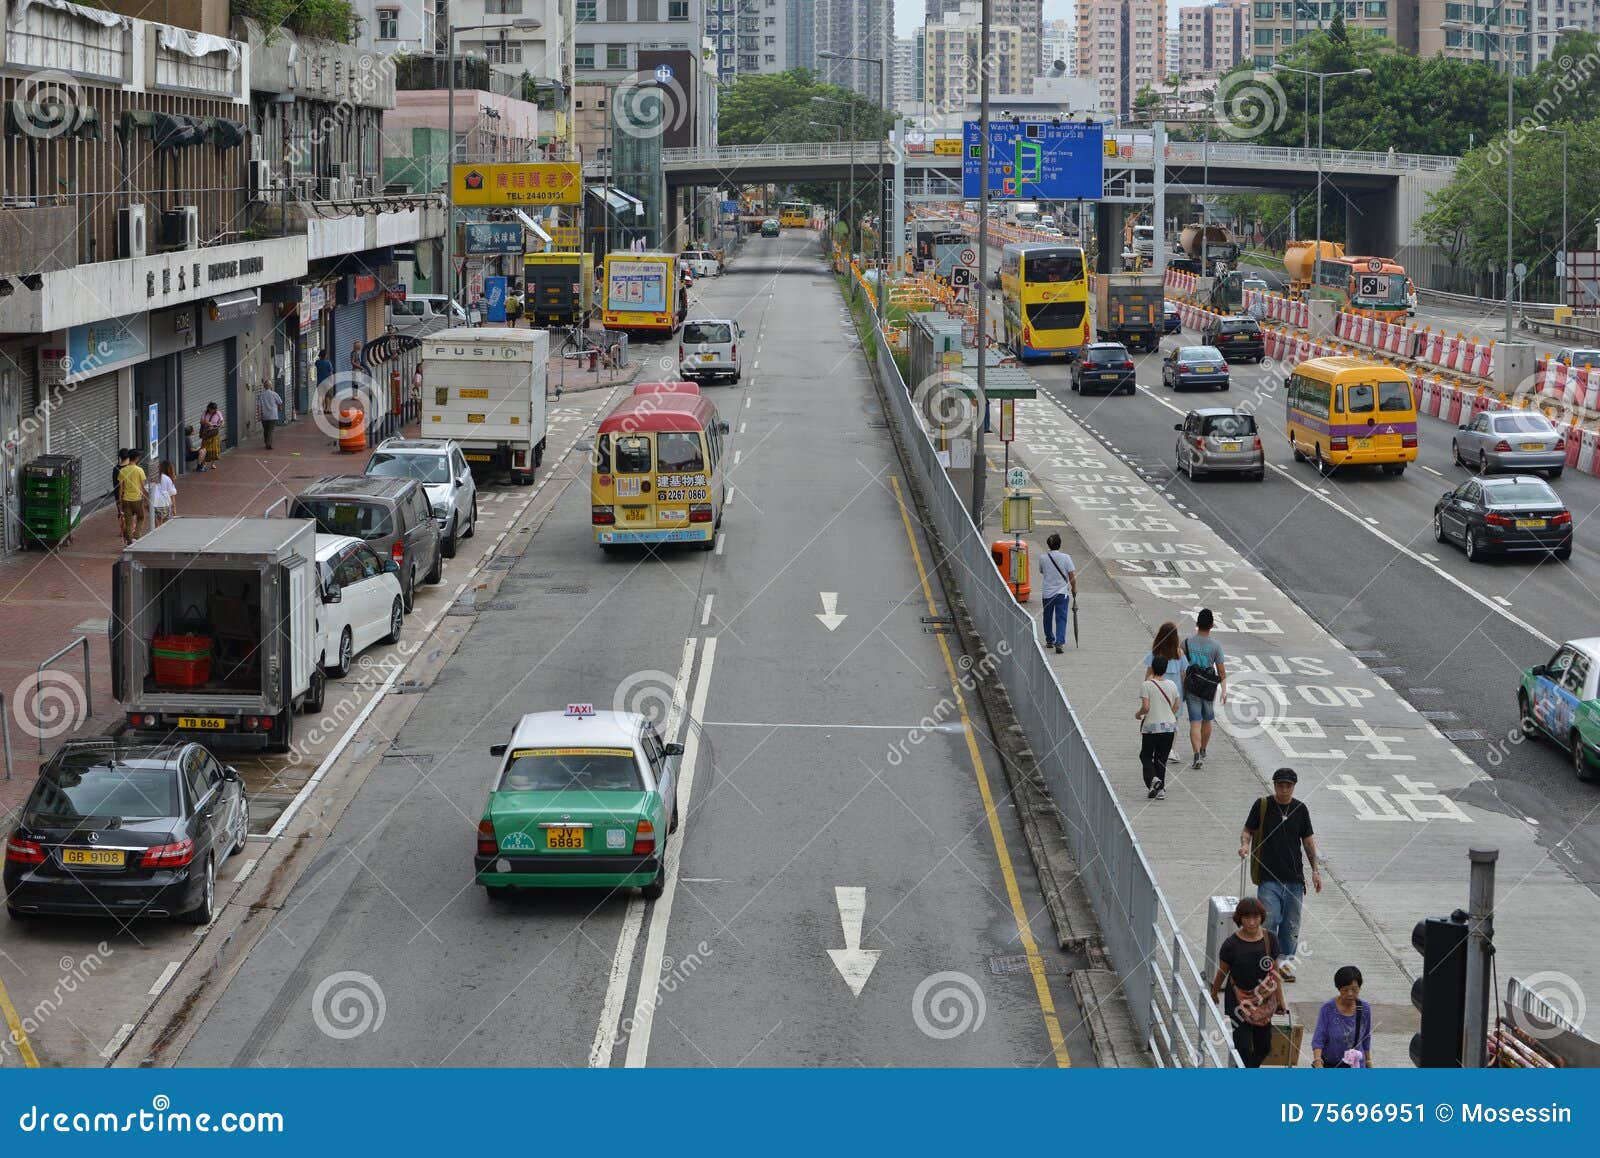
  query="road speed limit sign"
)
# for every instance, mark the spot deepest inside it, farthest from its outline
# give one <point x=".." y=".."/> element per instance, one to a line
<point x="969" y="256"/>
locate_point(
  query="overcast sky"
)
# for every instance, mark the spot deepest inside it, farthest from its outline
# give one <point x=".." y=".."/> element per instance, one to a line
<point x="908" y="14"/>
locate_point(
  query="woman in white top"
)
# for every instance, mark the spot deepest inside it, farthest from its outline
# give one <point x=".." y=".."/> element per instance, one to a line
<point x="164" y="493"/>
<point x="1158" y="725"/>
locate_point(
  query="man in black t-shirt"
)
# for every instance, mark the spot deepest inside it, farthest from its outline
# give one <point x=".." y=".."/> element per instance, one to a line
<point x="1276" y="829"/>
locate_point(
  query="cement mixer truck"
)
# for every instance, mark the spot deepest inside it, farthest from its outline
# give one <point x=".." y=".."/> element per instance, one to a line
<point x="1299" y="260"/>
<point x="1210" y="244"/>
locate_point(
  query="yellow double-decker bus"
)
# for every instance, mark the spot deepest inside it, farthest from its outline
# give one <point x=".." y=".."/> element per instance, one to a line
<point x="1045" y="290"/>
<point x="794" y="214"/>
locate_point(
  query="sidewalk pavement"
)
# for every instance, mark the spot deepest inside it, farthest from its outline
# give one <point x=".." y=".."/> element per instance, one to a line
<point x="1396" y="806"/>
<point x="50" y="598"/>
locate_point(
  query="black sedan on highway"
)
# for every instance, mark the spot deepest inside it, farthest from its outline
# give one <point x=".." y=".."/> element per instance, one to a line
<point x="1201" y="366"/>
<point x="1239" y="338"/>
<point x="1171" y="319"/>
<point x="1105" y="366"/>
<point x="1518" y="514"/>
<point x="121" y="830"/>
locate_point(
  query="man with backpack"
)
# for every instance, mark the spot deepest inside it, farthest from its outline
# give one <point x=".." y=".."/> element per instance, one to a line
<point x="1060" y="588"/>
<point x="1205" y="683"/>
<point x="1276" y="831"/>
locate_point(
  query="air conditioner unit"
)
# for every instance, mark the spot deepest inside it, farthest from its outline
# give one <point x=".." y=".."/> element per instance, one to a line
<point x="305" y="188"/>
<point x="255" y="147"/>
<point x="180" y="228"/>
<point x="261" y="183"/>
<point x="131" y="231"/>
<point x="347" y="174"/>
<point x="335" y="189"/>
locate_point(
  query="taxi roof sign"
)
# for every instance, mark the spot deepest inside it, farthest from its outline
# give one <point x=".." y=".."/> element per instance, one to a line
<point x="580" y="709"/>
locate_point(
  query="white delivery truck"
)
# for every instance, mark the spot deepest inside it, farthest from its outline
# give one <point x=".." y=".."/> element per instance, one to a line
<point x="484" y="387"/>
<point x="214" y="631"/>
<point x="1025" y="213"/>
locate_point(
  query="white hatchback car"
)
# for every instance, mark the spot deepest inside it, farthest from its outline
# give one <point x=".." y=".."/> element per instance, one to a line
<point x="361" y="601"/>
<point x="441" y="468"/>
<point x="708" y="348"/>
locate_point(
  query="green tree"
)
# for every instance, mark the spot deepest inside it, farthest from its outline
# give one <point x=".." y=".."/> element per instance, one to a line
<point x="778" y="108"/>
<point x="1336" y="29"/>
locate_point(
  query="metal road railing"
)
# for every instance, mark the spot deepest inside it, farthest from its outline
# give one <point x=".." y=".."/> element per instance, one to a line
<point x="5" y="731"/>
<point x="38" y="686"/>
<point x="1166" y="992"/>
<point x="1185" y="152"/>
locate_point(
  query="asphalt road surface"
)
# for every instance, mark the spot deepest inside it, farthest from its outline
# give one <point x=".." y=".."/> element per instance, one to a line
<point x="813" y="796"/>
<point x="1357" y="551"/>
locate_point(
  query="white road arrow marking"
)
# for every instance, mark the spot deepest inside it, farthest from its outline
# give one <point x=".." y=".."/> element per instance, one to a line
<point x="854" y="963"/>
<point x="830" y="616"/>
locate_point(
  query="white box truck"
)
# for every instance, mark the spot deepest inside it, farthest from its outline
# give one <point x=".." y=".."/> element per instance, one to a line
<point x="214" y="631"/>
<point x="484" y="387"/>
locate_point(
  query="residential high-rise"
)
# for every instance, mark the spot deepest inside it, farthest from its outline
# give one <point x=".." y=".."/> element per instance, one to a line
<point x="800" y="23"/>
<point x="856" y="28"/>
<point x="750" y="36"/>
<point x="1058" y="40"/>
<point x="1549" y="15"/>
<point x="1027" y="15"/>
<point x="1212" y="38"/>
<point x="954" y="49"/>
<point x="1414" y="26"/>
<point x="1122" y="46"/>
<point x="904" y="71"/>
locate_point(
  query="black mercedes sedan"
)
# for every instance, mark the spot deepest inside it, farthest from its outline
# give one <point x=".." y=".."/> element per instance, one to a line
<point x="1518" y="513"/>
<point x="125" y="831"/>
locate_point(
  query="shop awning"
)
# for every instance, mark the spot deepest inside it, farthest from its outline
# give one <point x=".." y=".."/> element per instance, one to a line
<point x="231" y="306"/>
<point x="619" y="201"/>
<point x="532" y="225"/>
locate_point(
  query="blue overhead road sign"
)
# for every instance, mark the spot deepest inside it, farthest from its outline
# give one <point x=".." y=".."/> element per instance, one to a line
<point x="1036" y="160"/>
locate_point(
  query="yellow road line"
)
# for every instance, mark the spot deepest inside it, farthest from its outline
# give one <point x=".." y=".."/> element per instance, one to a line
<point x="18" y="1034"/>
<point x="1019" y="911"/>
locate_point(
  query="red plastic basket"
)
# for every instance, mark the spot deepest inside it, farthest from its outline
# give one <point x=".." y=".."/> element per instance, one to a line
<point x="181" y="660"/>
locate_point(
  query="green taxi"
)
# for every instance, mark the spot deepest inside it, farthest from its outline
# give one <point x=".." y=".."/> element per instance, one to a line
<point x="769" y="227"/>
<point x="582" y="799"/>
<point x="1561" y="698"/>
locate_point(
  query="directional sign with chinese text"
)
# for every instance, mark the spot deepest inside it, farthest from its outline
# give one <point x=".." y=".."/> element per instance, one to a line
<point x="1036" y="160"/>
<point x="520" y="183"/>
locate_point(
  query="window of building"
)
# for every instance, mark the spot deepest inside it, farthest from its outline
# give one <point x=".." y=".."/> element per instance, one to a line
<point x="388" y="24"/>
<point x="586" y="11"/>
<point x="617" y="57"/>
<point x="461" y="146"/>
<point x="617" y="11"/>
<point x="583" y="56"/>
<point x="772" y="59"/>
<point x="503" y="53"/>
<point x="1377" y="9"/>
<point x="1263" y="40"/>
<point x="677" y="9"/>
<point x="503" y="7"/>
<point x="649" y="10"/>
<point x="774" y="40"/>
<point x="772" y="22"/>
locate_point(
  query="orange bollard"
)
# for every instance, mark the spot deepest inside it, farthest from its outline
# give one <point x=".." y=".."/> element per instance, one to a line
<point x="352" y="428"/>
<point x="1011" y="559"/>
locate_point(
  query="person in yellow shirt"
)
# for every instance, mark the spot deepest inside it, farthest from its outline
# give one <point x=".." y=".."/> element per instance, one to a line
<point x="131" y="497"/>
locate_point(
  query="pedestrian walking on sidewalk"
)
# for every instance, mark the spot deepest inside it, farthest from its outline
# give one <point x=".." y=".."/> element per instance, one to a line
<point x="164" y="494"/>
<point x="1205" y="683"/>
<point x="1158" y="727"/>
<point x="193" y="454"/>
<point x="269" y="408"/>
<point x="324" y="368"/>
<point x="1165" y="646"/>
<point x="357" y="362"/>
<point x="1276" y="831"/>
<point x="211" y="434"/>
<point x="1343" y="1037"/>
<point x="1247" y="964"/>
<point x="1060" y="588"/>
<point x="131" y="497"/>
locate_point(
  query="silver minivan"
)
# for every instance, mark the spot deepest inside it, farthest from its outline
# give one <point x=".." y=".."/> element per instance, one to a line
<point x="708" y="348"/>
<point x="1220" y="440"/>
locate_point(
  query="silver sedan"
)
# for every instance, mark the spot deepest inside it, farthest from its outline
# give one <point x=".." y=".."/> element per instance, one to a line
<point x="1510" y="440"/>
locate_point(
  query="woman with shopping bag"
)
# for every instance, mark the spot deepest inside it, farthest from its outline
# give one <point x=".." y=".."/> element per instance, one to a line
<point x="1343" y="1037"/>
<point x="1248" y="964"/>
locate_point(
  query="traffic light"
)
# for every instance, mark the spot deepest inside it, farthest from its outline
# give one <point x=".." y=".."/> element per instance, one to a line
<point x="1440" y="994"/>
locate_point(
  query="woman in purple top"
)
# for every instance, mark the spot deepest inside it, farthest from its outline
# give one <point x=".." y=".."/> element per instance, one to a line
<point x="1343" y="1037"/>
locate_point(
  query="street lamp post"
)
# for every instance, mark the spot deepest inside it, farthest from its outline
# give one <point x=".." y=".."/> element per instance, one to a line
<point x="1561" y="249"/>
<point x="1321" y="78"/>
<point x="523" y="22"/>
<point x="883" y="187"/>
<point x="850" y="205"/>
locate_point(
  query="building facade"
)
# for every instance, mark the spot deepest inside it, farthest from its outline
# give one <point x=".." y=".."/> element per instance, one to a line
<point x="659" y="45"/>
<point x="954" y="47"/>
<point x="1122" y="46"/>
<point x="856" y="28"/>
<point x="749" y="36"/>
<point x="1212" y="38"/>
<point x="1414" y="26"/>
<point x="904" y="72"/>
<point x="201" y="217"/>
<point x="1058" y="40"/>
